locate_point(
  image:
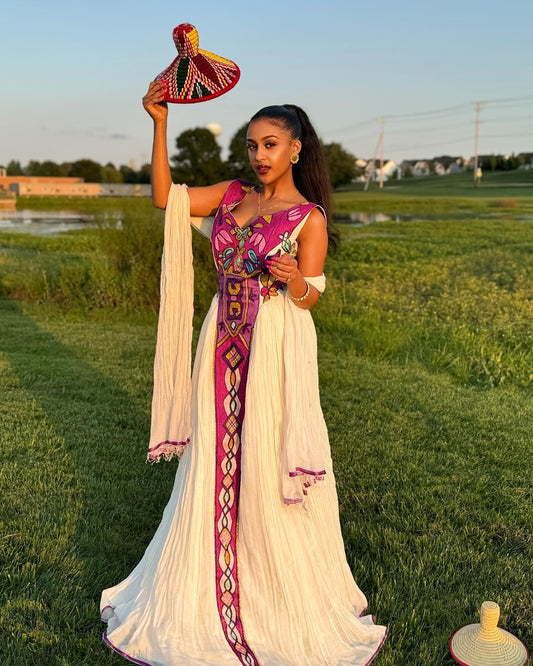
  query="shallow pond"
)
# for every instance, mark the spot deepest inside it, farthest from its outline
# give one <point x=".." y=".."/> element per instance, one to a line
<point x="52" y="222"/>
<point x="41" y="223"/>
<point x="361" y="218"/>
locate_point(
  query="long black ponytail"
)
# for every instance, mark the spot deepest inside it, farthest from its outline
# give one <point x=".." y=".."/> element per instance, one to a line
<point x="310" y="174"/>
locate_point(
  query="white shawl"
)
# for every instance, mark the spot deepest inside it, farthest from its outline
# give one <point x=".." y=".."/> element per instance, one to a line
<point x="171" y="401"/>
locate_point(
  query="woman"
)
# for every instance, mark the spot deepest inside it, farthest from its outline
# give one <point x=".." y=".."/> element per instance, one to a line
<point x="248" y="562"/>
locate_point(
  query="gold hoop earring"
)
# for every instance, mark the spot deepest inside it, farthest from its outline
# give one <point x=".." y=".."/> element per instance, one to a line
<point x="295" y="158"/>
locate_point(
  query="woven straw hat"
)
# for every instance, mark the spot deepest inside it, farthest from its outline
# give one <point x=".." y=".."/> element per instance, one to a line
<point x="485" y="644"/>
<point x="196" y="75"/>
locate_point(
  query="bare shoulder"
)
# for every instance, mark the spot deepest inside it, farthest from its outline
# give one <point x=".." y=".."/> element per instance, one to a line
<point x="205" y="200"/>
<point x="313" y="244"/>
<point x="315" y="229"/>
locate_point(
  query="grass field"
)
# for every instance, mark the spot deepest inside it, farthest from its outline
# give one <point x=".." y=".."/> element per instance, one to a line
<point x="516" y="183"/>
<point x="426" y="364"/>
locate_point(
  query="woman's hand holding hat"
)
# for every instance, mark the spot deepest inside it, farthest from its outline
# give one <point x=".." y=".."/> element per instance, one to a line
<point x="154" y="103"/>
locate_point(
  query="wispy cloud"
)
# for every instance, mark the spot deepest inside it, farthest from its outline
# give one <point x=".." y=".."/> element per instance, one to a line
<point x="91" y="132"/>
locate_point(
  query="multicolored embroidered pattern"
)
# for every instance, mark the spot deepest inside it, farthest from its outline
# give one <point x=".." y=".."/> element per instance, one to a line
<point x="240" y="254"/>
<point x="269" y="286"/>
<point x="196" y="75"/>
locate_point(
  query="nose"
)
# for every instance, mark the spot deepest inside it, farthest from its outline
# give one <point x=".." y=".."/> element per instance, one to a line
<point x="260" y="153"/>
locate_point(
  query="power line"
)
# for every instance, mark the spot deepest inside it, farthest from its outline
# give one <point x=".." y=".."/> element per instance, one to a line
<point x="503" y="136"/>
<point x="429" y="121"/>
<point x="508" y="119"/>
<point x="450" y="110"/>
<point x="507" y="100"/>
<point x="422" y="146"/>
<point x="360" y="137"/>
<point x="370" y="121"/>
<point x="434" y="128"/>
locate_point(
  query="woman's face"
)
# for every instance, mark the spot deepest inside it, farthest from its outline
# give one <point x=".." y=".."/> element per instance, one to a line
<point x="269" y="149"/>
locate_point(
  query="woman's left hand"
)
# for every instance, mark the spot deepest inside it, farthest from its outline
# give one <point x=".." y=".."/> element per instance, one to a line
<point x="284" y="268"/>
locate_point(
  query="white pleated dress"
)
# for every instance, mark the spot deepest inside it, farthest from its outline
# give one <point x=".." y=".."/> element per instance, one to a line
<point x="298" y="602"/>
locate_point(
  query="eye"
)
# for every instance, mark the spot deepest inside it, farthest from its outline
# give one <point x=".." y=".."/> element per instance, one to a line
<point x="250" y="146"/>
<point x="270" y="144"/>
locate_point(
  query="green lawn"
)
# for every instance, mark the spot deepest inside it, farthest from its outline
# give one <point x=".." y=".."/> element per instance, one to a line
<point x="510" y="192"/>
<point x="516" y="183"/>
<point x="426" y="363"/>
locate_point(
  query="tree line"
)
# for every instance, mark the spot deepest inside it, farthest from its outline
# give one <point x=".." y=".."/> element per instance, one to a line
<point x="198" y="162"/>
<point x="504" y="162"/>
<point x="89" y="170"/>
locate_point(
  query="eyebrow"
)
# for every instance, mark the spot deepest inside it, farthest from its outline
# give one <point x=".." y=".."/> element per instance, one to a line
<point x="268" y="136"/>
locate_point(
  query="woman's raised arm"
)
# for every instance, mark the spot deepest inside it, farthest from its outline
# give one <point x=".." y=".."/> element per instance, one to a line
<point x="157" y="108"/>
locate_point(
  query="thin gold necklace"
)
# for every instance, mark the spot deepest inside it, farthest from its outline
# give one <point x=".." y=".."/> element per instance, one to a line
<point x="260" y="210"/>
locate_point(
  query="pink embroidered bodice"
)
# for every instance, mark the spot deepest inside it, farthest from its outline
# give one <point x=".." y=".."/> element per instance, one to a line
<point x="240" y="252"/>
<point x="240" y="255"/>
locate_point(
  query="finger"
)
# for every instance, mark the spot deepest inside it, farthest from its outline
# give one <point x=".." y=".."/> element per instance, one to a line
<point x="279" y="273"/>
<point x="154" y="98"/>
<point x="154" y="92"/>
<point x="287" y="258"/>
<point x="284" y="260"/>
<point x="287" y="265"/>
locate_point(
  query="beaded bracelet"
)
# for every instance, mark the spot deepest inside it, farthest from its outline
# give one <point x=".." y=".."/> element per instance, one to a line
<point x="302" y="298"/>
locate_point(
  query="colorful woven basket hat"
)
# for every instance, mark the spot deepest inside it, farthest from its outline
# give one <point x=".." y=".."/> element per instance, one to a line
<point x="485" y="644"/>
<point x="196" y="75"/>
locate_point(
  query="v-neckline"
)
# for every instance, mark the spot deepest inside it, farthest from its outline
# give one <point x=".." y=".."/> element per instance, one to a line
<point x="257" y="217"/>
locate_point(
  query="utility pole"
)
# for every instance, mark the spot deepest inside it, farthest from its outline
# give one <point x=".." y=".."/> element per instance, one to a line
<point x="476" y="157"/>
<point x="378" y="144"/>
<point x="382" y="141"/>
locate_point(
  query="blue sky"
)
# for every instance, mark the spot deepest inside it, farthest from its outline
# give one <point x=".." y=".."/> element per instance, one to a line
<point x="74" y="73"/>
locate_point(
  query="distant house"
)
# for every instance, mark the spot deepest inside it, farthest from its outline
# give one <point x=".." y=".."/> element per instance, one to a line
<point x="445" y="164"/>
<point x="373" y="170"/>
<point x="415" y="168"/>
<point x="440" y="166"/>
<point x="422" y="168"/>
<point x="406" y="167"/>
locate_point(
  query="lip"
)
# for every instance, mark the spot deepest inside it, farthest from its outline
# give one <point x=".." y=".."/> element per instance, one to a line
<point x="262" y="169"/>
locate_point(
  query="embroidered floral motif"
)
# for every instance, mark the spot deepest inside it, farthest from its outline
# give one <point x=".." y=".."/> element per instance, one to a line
<point x="221" y="238"/>
<point x="257" y="239"/>
<point x="244" y="260"/>
<point x="286" y="244"/>
<point x="294" y="214"/>
<point x="269" y="286"/>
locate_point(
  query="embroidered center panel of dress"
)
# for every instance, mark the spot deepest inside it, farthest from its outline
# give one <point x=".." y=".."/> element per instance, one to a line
<point x="239" y="254"/>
